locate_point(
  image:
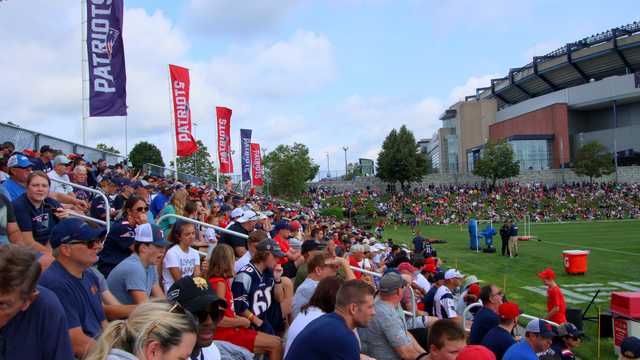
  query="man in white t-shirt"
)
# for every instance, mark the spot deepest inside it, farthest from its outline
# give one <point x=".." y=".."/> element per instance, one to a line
<point x="444" y="304"/>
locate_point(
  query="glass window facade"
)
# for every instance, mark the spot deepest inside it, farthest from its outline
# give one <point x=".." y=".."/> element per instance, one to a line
<point x="533" y="154"/>
<point x="452" y="153"/>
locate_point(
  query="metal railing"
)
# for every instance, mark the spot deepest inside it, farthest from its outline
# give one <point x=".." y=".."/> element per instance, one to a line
<point x="244" y="236"/>
<point x="28" y="139"/>
<point x="106" y="223"/>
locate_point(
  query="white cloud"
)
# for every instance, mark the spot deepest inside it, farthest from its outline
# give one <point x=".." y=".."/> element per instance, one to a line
<point x="540" y="49"/>
<point x="214" y="17"/>
<point x="458" y="93"/>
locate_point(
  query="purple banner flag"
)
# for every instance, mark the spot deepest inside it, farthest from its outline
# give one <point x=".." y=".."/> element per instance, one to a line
<point x="105" y="56"/>
<point x="245" y="144"/>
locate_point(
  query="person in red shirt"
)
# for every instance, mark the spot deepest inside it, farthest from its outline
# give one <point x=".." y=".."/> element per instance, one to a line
<point x="556" y="306"/>
<point x="283" y="231"/>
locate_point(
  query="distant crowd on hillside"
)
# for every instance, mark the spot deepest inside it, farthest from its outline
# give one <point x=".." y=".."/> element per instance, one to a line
<point x="456" y="204"/>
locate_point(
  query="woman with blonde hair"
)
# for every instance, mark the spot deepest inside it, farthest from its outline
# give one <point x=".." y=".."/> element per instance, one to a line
<point x="175" y="206"/>
<point x="153" y="331"/>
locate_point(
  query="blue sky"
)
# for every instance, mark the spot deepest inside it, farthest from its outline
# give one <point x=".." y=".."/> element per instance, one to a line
<point x="325" y="73"/>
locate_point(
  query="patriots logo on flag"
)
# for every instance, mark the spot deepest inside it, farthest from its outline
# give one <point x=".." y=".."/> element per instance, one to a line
<point x="112" y="37"/>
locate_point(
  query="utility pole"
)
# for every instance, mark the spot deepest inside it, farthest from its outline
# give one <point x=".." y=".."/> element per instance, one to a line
<point x="615" y="142"/>
<point x="345" y="148"/>
<point x="328" y="170"/>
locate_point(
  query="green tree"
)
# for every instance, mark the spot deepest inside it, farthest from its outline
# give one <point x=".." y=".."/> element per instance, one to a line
<point x="288" y="169"/>
<point x="143" y="153"/>
<point x="593" y="160"/>
<point x="400" y="159"/>
<point x="107" y="148"/>
<point x="198" y="164"/>
<point x="497" y="162"/>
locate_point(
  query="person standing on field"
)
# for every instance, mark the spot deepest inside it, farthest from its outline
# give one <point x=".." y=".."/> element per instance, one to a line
<point x="556" y="306"/>
<point x="513" y="239"/>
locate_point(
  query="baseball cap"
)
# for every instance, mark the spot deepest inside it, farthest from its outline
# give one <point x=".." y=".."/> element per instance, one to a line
<point x="568" y="329"/>
<point x="29" y="153"/>
<point x="236" y="213"/>
<point x="46" y="148"/>
<point x="270" y="246"/>
<point x="406" y="266"/>
<point x="630" y="347"/>
<point x="471" y="279"/>
<point x="541" y="327"/>
<point x="311" y="245"/>
<point x="121" y="181"/>
<point x="247" y="216"/>
<point x="61" y="159"/>
<point x="74" y="229"/>
<point x="453" y="274"/>
<point x="509" y="311"/>
<point x="294" y="225"/>
<point x="19" y="161"/>
<point x="281" y="225"/>
<point x="474" y="289"/>
<point x="547" y="274"/>
<point x="150" y="234"/>
<point x="140" y="184"/>
<point x="390" y="282"/>
<point x="195" y="295"/>
<point x="475" y="352"/>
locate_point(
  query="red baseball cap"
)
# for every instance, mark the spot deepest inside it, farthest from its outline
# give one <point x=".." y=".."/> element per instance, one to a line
<point x="405" y="266"/>
<point x="509" y="311"/>
<point x="294" y="225"/>
<point x="547" y="274"/>
<point x="475" y="352"/>
<point x="474" y="289"/>
<point x="430" y="268"/>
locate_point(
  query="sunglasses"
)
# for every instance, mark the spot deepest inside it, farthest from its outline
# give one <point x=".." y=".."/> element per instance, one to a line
<point x="90" y="244"/>
<point x="141" y="209"/>
<point x="215" y="313"/>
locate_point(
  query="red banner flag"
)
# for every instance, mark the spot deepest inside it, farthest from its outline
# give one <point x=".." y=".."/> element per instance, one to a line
<point x="185" y="143"/>
<point x="223" y="115"/>
<point x="256" y="165"/>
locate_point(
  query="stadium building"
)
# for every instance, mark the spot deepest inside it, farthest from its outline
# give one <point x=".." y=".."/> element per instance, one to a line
<point x="586" y="90"/>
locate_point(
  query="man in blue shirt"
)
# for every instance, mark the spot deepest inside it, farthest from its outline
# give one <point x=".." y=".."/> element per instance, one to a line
<point x="134" y="280"/>
<point x="75" y="246"/>
<point x="538" y="337"/>
<point x="499" y="339"/>
<point x="487" y="317"/>
<point x="331" y="336"/>
<point x="19" y="169"/>
<point x="33" y="322"/>
<point x="418" y="243"/>
<point x="160" y="200"/>
<point x="98" y="208"/>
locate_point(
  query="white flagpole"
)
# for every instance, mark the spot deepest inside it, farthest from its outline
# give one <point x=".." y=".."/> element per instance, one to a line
<point x="84" y="68"/>
<point x="173" y="130"/>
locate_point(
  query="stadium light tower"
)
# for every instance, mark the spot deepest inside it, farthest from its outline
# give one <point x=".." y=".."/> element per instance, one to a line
<point x="345" y="148"/>
<point x="328" y="170"/>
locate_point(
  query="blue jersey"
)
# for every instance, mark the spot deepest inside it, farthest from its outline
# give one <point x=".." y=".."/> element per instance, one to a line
<point x="253" y="290"/>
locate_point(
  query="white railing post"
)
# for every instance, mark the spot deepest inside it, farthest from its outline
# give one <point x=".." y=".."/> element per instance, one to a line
<point x="107" y="223"/>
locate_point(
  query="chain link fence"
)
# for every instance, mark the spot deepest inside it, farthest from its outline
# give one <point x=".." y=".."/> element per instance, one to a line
<point x="27" y="139"/>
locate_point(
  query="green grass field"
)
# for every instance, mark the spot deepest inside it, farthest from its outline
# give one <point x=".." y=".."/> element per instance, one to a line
<point x="614" y="257"/>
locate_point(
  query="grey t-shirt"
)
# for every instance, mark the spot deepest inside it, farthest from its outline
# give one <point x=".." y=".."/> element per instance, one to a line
<point x="303" y="294"/>
<point x="387" y="330"/>
<point x="129" y="275"/>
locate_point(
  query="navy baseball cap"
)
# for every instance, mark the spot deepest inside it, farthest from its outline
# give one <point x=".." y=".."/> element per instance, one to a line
<point x="150" y="234"/>
<point x="541" y="328"/>
<point x="121" y="181"/>
<point x="280" y="225"/>
<point x="71" y="229"/>
<point x="271" y="246"/>
<point x="630" y="347"/>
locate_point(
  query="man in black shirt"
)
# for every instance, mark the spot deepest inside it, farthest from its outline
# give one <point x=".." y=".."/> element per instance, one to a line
<point x="244" y="225"/>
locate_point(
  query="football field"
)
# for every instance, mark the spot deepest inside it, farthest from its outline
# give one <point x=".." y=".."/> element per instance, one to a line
<point x="613" y="265"/>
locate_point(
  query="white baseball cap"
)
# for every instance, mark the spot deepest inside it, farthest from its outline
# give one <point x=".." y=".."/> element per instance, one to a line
<point x="236" y="213"/>
<point x="453" y="274"/>
<point x="248" y="215"/>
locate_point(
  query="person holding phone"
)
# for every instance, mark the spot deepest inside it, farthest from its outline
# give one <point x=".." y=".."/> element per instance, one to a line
<point x="36" y="213"/>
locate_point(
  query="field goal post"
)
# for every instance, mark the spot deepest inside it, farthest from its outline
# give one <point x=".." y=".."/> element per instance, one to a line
<point x="526" y="227"/>
<point x="478" y="222"/>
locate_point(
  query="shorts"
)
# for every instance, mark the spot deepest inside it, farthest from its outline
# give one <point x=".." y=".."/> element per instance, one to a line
<point x="242" y="337"/>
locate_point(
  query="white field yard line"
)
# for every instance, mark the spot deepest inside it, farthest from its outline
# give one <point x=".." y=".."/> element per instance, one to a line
<point x="570" y="296"/>
<point x="625" y="286"/>
<point x="582" y="285"/>
<point x="593" y="248"/>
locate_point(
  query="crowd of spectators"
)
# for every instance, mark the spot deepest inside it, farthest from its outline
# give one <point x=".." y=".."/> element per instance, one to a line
<point x="456" y="204"/>
<point x="267" y="279"/>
